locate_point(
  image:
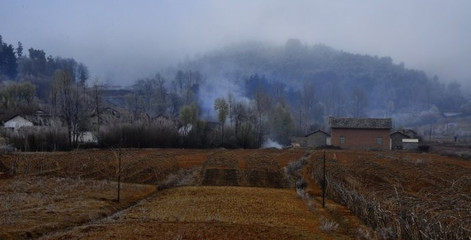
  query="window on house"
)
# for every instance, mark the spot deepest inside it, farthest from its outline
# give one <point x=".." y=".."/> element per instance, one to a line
<point x="379" y="140"/>
<point x="342" y="140"/>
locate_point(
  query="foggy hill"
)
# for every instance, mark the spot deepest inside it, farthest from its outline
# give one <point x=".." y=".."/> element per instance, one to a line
<point x="340" y="83"/>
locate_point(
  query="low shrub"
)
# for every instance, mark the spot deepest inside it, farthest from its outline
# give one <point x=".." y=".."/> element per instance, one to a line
<point x="328" y="225"/>
<point x="39" y="140"/>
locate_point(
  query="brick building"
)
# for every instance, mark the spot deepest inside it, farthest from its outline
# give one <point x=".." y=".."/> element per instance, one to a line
<point x="361" y="133"/>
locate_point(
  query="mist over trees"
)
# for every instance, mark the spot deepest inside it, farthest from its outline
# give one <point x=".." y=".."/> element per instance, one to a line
<point x="238" y="96"/>
<point x="281" y="91"/>
<point x="318" y="81"/>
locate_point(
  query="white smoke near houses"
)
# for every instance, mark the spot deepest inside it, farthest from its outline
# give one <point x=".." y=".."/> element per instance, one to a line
<point x="269" y="143"/>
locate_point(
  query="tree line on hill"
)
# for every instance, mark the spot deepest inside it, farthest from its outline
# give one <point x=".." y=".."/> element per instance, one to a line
<point x="237" y="96"/>
<point x="53" y="84"/>
<point x="343" y="83"/>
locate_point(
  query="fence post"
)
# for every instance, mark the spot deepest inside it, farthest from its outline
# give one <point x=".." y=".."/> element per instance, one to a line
<point x="119" y="173"/>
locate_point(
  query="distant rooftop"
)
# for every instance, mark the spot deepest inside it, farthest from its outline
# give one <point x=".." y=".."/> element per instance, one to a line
<point x="317" y="131"/>
<point x="375" y="123"/>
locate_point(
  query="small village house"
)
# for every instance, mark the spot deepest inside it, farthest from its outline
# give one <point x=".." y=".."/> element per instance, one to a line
<point x="361" y="133"/>
<point x="16" y="122"/>
<point x="107" y="116"/>
<point x="396" y="139"/>
<point x="410" y="144"/>
<point x="314" y="139"/>
<point x="404" y="139"/>
<point x="37" y="119"/>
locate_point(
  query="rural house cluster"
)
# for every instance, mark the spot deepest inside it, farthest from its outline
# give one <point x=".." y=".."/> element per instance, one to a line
<point x="360" y="133"/>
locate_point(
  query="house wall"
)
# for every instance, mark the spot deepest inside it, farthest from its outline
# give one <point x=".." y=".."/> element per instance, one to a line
<point x="361" y="138"/>
<point x="316" y="140"/>
<point x="17" y="122"/>
<point x="396" y="140"/>
<point x="410" y="144"/>
<point x="298" y="142"/>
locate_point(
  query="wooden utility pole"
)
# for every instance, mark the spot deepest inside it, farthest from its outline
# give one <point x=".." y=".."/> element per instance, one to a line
<point x="430" y="134"/>
<point x="119" y="174"/>
<point x="323" y="184"/>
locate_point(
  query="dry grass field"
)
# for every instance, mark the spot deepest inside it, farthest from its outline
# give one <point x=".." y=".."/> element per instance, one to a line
<point x="234" y="194"/>
<point x="49" y="192"/>
<point x="33" y="206"/>
<point x="146" y="166"/>
<point x="210" y="213"/>
<point x="401" y="195"/>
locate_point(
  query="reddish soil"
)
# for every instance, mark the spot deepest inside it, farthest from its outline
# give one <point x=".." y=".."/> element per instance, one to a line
<point x="399" y="194"/>
<point x="210" y="213"/>
<point x="53" y="191"/>
<point x="255" y="168"/>
<point x="33" y="206"/>
<point x="397" y="190"/>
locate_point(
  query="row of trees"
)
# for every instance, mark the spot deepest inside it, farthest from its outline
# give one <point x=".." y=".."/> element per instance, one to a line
<point x="344" y="84"/>
<point x="72" y="103"/>
<point x="53" y="84"/>
<point x="276" y="92"/>
<point x="37" y="68"/>
<point x="17" y="96"/>
<point x="250" y="123"/>
<point x="69" y="103"/>
<point x="157" y="96"/>
<point x="241" y="123"/>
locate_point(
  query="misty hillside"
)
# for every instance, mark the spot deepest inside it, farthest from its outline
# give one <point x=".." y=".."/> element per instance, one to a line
<point x="291" y="90"/>
<point x="339" y="83"/>
<point x="238" y="96"/>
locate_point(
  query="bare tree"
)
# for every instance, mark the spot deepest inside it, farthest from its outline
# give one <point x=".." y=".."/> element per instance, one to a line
<point x="188" y="117"/>
<point x="70" y="103"/>
<point x="262" y="105"/>
<point x="231" y="103"/>
<point x="96" y="106"/>
<point x="222" y="107"/>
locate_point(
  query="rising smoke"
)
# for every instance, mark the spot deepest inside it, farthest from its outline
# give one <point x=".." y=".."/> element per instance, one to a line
<point x="269" y="143"/>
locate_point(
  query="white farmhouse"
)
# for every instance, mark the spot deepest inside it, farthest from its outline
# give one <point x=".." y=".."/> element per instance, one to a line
<point x="16" y="122"/>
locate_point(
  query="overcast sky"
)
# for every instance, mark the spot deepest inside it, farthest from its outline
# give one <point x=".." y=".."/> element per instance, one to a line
<point x="121" y="41"/>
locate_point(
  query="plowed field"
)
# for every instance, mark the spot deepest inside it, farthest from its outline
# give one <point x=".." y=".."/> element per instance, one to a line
<point x="42" y="193"/>
<point x="33" y="206"/>
<point x="401" y="195"/>
<point x="210" y="213"/>
<point x="233" y="194"/>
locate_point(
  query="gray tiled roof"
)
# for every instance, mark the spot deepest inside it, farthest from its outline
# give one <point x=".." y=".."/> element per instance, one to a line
<point x="375" y="123"/>
<point x="318" y="131"/>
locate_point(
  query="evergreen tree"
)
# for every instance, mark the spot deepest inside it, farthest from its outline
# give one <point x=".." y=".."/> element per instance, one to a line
<point x="19" y="50"/>
<point x="8" y="61"/>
